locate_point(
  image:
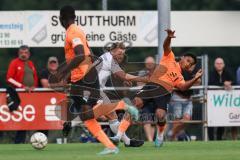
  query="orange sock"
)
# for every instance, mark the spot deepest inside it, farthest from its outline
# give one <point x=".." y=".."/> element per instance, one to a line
<point x="96" y="130"/>
<point x="120" y="105"/>
<point x="162" y="128"/>
<point x="123" y="127"/>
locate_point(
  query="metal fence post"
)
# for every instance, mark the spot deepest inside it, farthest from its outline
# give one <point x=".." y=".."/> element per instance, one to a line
<point x="164" y="16"/>
<point x="104" y="5"/>
<point x="205" y="84"/>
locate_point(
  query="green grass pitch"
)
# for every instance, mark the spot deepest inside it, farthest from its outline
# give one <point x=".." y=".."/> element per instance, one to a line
<point x="224" y="150"/>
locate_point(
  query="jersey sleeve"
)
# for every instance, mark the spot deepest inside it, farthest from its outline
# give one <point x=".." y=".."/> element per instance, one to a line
<point x="168" y="56"/>
<point x="115" y="67"/>
<point x="178" y="80"/>
<point x="74" y="39"/>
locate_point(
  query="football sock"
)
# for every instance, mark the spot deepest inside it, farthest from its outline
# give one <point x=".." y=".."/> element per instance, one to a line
<point x="122" y="128"/>
<point x="96" y="130"/>
<point x="75" y="121"/>
<point x="114" y="124"/>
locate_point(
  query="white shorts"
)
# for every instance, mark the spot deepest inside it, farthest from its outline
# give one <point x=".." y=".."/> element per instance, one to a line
<point x="180" y="106"/>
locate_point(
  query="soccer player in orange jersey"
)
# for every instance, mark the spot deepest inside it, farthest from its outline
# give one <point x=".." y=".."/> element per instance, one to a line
<point x="164" y="79"/>
<point x="84" y="89"/>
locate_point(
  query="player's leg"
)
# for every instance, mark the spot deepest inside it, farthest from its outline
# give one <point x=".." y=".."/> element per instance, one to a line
<point x="85" y="94"/>
<point x="105" y="109"/>
<point x="113" y="119"/>
<point x="99" y="110"/>
<point x="138" y="101"/>
<point x="161" y="110"/>
<point x="126" y="121"/>
<point x="161" y="126"/>
<point x="73" y="109"/>
<point x="88" y="118"/>
<point x="114" y="124"/>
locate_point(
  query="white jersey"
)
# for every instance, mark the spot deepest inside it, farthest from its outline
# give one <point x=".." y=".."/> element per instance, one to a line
<point x="105" y="68"/>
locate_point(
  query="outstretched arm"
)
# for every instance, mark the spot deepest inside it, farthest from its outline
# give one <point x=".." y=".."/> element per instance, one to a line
<point x="128" y="77"/>
<point x="185" y="86"/>
<point x="167" y="42"/>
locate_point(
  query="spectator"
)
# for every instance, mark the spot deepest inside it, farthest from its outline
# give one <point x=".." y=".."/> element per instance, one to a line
<point x="45" y="81"/>
<point x="181" y="106"/>
<point x="51" y="69"/>
<point x="22" y="74"/>
<point x="220" y="76"/>
<point x="238" y="76"/>
<point x="234" y="129"/>
<point x="148" y="112"/>
<point x="150" y="65"/>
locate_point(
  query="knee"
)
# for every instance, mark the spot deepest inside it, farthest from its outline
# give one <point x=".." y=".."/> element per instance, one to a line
<point x="127" y="116"/>
<point x="138" y="102"/>
<point x="112" y="116"/>
<point x="86" y="113"/>
<point x="161" y="114"/>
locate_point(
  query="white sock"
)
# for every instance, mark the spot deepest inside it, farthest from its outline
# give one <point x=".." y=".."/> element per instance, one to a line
<point x="114" y="127"/>
<point x="113" y="124"/>
<point x="75" y="121"/>
<point x="125" y="139"/>
<point x="160" y="134"/>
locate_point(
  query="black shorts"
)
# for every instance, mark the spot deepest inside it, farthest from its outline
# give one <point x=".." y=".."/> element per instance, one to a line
<point x="85" y="91"/>
<point x="155" y="95"/>
<point x="147" y="113"/>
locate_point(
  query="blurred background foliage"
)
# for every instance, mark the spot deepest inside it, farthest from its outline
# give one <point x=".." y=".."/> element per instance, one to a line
<point x="40" y="55"/>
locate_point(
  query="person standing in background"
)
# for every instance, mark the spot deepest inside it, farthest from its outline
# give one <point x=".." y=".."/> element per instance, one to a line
<point x="44" y="77"/>
<point x="181" y="106"/>
<point x="148" y="111"/>
<point x="22" y="74"/>
<point x="238" y="76"/>
<point x="51" y="69"/>
<point x="220" y="76"/>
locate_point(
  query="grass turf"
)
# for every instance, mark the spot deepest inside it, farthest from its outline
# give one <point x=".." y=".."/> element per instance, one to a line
<point x="222" y="150"/>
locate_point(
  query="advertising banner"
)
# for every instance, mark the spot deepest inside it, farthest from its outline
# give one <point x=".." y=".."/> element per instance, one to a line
<point x="37" y="111"/>
<point x="223" y="108"/>
<point x="193" y="28"/>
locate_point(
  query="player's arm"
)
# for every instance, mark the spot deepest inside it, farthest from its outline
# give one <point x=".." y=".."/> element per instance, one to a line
<point x="11" y="74"/>
<point x="118" y="72"/>
<point x="128" y="77"/>
<point x="185" y="86"/>
<point x="167" y="42"/>
<point x="79" y="52"/>
<point x="65" y="70"/>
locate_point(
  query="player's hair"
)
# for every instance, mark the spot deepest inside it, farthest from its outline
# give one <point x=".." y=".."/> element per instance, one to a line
<point x="117" y="45"/>
<point x="192" y="56"/>
<point x="67" y="12"/>
<point x="24" y="47"/>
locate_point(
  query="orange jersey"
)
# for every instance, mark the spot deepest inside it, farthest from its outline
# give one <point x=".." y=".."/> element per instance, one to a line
<point x="168" y="73"/>
<point x="75" y="36"/>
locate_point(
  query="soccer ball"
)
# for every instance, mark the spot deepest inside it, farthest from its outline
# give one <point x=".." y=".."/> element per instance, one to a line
<point x="38" y="140"/>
